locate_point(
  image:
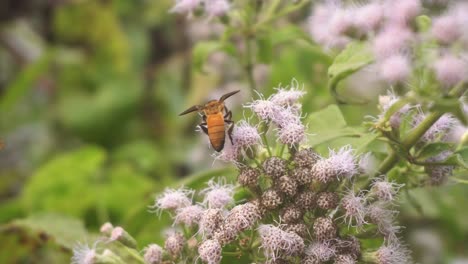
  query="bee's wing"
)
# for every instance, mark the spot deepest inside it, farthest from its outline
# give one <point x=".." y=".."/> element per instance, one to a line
<point x="226" y="96"/>
<point x="192" y="109"/>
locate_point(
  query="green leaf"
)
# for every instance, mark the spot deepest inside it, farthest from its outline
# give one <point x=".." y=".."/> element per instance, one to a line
<point x="24" y="82"/>
<point x="66" y="231"/>
<point x="353" y="58"/>
<point x="431" y="150"/>
<point x="327" y="119"/>
<point x="288" y="34"/>
<point x="202" y="50"/>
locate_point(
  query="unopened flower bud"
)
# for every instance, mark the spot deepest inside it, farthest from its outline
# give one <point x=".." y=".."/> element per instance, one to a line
<point x="174" y="244"/>
<point x="275" y="167"/>
<point x="306" y="200"/>
<point x="119" y="234"/>
<point x="210" y="251"/>
<point x="324" y="229"/>
<point x="210" y="221"/>
<point x="306" y="157"/>
<point x="189" y="215"/>
<point x="291" y="214"/>
<point x="299" y="228"/>
<point x="327" y="200"/>
<point x="271" y="199"/>
<point x="249" y="177"/>
<point x="287" y="186"/>
<point x="303" y="175"/>
<point x="106" y="229"/>
<point x="153" y="254"/>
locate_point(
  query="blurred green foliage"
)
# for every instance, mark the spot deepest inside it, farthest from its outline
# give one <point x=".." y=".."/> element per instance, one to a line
<point x="92" y="129"/>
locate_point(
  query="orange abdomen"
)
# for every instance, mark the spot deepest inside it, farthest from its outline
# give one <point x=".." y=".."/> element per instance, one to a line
<point x="216" y="131"/>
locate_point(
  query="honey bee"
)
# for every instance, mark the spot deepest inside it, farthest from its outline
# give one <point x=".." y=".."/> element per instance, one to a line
<point x="214" y="120"/>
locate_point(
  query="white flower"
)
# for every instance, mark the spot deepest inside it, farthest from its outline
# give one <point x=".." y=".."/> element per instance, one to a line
<point x="83" y="254"/>
<point x="322" y="251"/>
<point x="393" y="253"/>
<point x="245" y="135"/>
<point x="287" y="96"/>
<point x="189" y="215"/>
<point x="385" y="190"/>
<point x="275" y="242"/>
<point x="153" y="254"/>
<point x="218" y="194"/>
<point x="354" y="208"/>
<point x="173" y="199"/>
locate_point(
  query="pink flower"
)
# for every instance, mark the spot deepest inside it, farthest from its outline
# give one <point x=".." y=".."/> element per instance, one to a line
<point x="292" y="133"/>
<point x="189" y="215"/>
<point x="403" y="11"/>
<point x="275" y="242"/>
<point x="83" y="254"/>
<point x="450" y="70"/>
<point x="393" y="253"/>
<point x="287" y="96"/>
<point x="322" y="251"/>
<point x="218" y="194"/>
<point x="395" y="69"/>
<point x="174" y="199"/>
<point x="245" y="135"/>
<point x="392" y="40"/>
<point x="446" y="29"/>
<point x="369" y="17"/>
<point x="210" y="251"/>
<point x="153" y="254"/>
<point x="385" y="190"/>
<point x="354" y="207"/>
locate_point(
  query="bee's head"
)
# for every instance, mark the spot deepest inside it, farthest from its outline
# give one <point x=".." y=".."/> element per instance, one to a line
<point x="213" y="107"/>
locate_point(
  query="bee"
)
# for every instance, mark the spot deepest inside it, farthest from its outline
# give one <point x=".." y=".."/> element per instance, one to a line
<point x="214" y="120"/>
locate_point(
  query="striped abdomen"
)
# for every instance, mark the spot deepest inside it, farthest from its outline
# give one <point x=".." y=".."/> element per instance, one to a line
<point x="216" y="131"/>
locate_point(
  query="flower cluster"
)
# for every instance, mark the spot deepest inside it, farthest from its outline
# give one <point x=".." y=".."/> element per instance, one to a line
<point x="389" y="26"/>
<point x="297" y="206"/>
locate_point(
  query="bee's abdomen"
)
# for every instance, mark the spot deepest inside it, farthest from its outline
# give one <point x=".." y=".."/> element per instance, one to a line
<point x="216" y="131"/>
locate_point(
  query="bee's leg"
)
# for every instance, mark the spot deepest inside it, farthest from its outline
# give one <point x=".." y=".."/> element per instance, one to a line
<point x="204" y="127"/>
<point x="231" y="127"/>
<point x="228" y="114"/>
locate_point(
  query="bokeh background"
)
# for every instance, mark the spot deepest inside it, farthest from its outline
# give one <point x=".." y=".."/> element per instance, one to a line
<point x="90" y="93"/>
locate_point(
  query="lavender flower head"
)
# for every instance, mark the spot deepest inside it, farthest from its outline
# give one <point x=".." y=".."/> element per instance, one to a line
<point x="189" y="215"/>
<point x="354" y="207"/>
<point x="384" y="189"/>
<point x="391" y="40"/>
<point x="450" y="70"/>
<point x="395" y="69"/>
<point x="384" y="218"/>
<point x="275" y="242"/>
<point x="230" y="153"/>
<point x="344" y="162"/>
<point x="322" y="251"/>
<point x="446" y="29"/>
<point x="287" y="96"/>
<point x="245" y="135"/>
<point x="265" y="109"/>
<point x="218" y="194"/>
<point x="174" y="199"/>
<point x="153" y="254"/>
<point x="393" y="253"/>
<point x="368" y="17"/>
<point x="292" y="134"/>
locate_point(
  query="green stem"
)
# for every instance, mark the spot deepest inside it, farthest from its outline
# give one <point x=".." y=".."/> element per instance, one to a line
<point x="281" y="150"/>
<point x="233" y="254"/>
<point x="271" y="17"/>
<point x="265" y="127"/>
<point x="415" y="134"/>
<point x="249" y="65"/>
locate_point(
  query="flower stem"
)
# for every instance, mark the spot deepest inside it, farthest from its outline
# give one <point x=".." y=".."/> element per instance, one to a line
<point x="249" y="65"/>
<point x="265" y="127"/>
